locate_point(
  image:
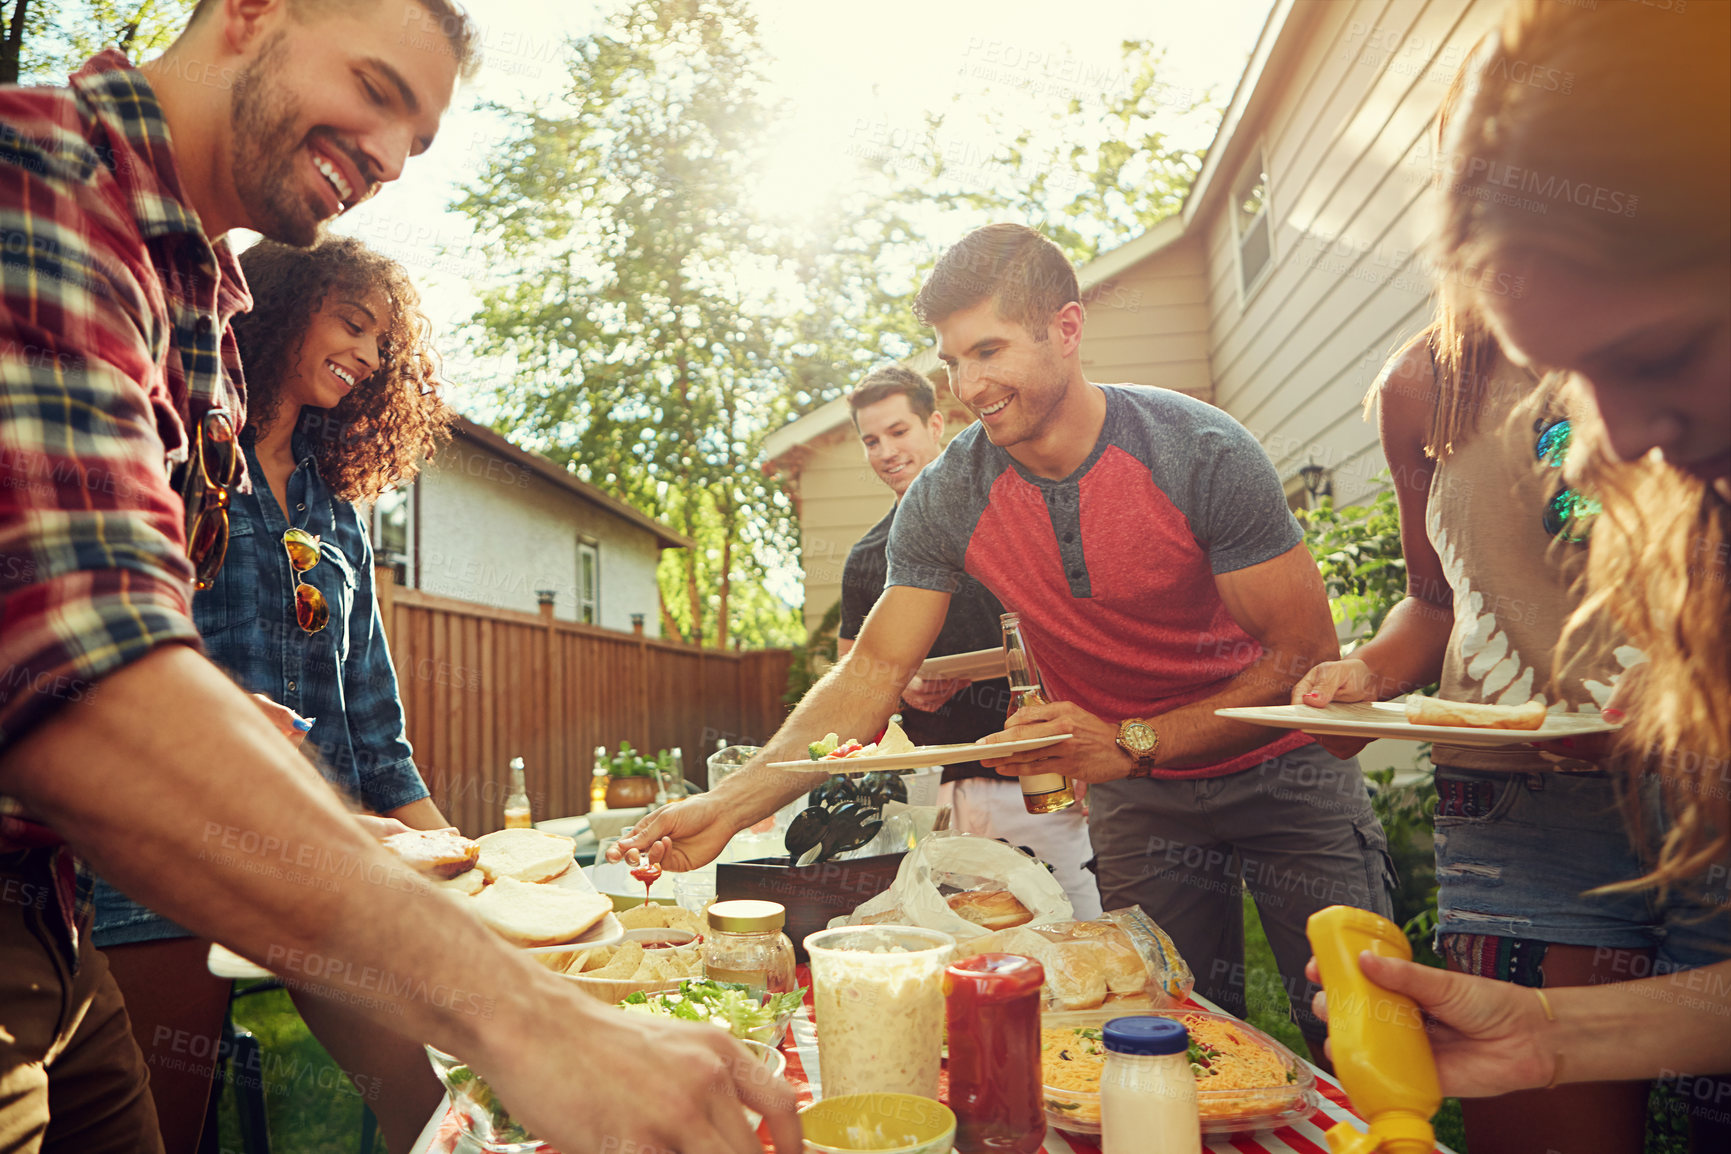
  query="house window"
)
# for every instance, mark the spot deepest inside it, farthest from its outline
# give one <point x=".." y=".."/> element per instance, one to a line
<point x="588" y="580"/>
<point x="394" y="532"/>
<point x="1250" y="222"/>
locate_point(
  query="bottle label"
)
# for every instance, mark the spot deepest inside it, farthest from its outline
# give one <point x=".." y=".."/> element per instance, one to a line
<point x="1039" y="783"/>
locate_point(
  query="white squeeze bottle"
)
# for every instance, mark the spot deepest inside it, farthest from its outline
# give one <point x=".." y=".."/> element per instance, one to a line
<point x="1148" y="1091"/>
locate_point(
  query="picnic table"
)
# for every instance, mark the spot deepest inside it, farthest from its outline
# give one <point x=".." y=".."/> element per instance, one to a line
<point x="443" y="1135"/>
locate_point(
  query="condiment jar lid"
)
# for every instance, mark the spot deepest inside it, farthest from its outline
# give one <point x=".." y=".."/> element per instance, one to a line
<point x="1145" y="1035"/>
<point x="745" y="916"/>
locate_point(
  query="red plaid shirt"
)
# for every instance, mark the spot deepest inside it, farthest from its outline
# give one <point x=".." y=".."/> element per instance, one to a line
<point x="114" y="341"/>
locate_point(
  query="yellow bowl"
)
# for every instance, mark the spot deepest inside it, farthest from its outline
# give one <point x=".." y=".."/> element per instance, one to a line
<point x="879" y="1123"/>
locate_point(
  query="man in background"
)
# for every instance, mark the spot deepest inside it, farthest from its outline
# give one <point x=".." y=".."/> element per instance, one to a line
<point x="896" y="415"/>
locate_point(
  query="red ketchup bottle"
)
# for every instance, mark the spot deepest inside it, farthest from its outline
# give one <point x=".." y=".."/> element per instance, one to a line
<point x="992" y="1004"/>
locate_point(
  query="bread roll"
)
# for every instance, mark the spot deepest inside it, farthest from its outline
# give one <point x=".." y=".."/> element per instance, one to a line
<point x="1463" y="714"/>
<point x="467" y="884"/>
<point x="440" y="853"/>
<point x="1076" y="974"/>
<point x="535" y="915"/>
<point x="525" y="855"/>
<point x="994" y="909"/>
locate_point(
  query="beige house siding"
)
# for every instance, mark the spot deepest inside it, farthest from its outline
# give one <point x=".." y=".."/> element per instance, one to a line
<point x="839" y="499"/>
<point x="1347" y="139"/>
<point x="1340" y="98"/>
<point x="1150" y="324"/>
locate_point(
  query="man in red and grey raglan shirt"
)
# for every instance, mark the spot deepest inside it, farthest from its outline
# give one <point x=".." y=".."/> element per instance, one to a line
<point x="1146" y="542"/>
<point x="119" y="741"/>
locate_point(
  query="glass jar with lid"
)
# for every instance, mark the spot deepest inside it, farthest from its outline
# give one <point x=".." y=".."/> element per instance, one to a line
<point x="745" y="945"/>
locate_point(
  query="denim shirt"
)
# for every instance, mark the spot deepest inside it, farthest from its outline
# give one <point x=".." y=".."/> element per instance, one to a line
<point x="342" y="675"/>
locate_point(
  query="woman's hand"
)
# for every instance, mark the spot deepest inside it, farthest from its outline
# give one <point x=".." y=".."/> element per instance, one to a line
<point x="1346" y="680"/>
<point x="283" y="719"/>
<point x="1486" y="1035"/>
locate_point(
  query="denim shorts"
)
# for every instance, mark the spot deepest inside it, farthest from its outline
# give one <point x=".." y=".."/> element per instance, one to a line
<point x="1516" y="853"/>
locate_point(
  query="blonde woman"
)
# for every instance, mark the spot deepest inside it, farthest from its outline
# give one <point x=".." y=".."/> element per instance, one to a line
<point x="1633" y="306"/>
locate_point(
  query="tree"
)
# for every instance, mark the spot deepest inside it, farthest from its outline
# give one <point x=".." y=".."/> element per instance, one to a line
<point x="46" y="41"/>
<point x="659" y="328"/>
<point x="634" y="302"/>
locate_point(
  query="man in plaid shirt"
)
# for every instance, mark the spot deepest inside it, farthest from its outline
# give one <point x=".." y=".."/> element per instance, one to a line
<point x="119" y="741"/>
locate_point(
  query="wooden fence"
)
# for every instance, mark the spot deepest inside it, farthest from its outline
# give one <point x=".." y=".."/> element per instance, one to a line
<point x="482" y="685"/>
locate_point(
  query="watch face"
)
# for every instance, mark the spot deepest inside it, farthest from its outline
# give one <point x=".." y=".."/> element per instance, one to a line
<point x="1137" y="736"/>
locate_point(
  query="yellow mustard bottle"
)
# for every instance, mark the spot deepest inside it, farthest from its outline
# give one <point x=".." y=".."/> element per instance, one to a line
<point x="1381" y="1053"/>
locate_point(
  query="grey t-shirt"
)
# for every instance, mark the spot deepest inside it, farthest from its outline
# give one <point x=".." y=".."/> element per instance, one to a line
<point x="1112" y="568"/>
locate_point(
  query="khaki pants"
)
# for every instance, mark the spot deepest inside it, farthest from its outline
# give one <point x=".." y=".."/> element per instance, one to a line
<point x="71" y="1077"/>
<point x="1297" y="831"/>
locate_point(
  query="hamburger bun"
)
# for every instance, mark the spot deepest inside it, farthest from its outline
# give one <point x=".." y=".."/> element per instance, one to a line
<point x="994" y="909"/>
<point x="526" y="914"/>
<point x="525" y="855"/>
<point x="466" y="884"/>
<point x="439" y="853"/>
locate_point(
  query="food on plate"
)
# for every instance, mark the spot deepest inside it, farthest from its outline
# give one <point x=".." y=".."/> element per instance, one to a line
<point x="439" y="853"/>
<point x="994" y="909"/>
<point x="735" y="1008"/>
<point x="833" y="748"/>
<point x="1433" y="711"/>
<point x="468" y="884"/>
<point x="536" y="915"/>
<point x="1224" y="1055"/>
<point x="525" y="855"/>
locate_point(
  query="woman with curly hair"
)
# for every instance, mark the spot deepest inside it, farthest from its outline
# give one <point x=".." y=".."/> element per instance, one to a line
<point x="343" y="405"/>
<point x="1625" y="290"/>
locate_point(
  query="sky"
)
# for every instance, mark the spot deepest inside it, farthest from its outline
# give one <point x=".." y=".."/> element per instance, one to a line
<point x="856" y="80"/>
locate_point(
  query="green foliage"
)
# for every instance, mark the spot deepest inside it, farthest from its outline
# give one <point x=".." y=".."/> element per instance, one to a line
<point x="55" y="37"/>
<point x="822" y="643"/>
<point x="647" y="357"/>
<point x="628" y="762"/>
<point x="1358" y="550"/>
<point x="660" y="324"/>
<point x="1094" y="172"/>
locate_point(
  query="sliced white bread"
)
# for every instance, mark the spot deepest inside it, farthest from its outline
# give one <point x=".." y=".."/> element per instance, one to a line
<point x="526" y="914"/>
<point x="467" y="884"/>
<point x="525" y="855"/>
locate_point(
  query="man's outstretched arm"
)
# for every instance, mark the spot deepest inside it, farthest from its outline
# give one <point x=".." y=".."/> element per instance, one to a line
<point x="854" y="699"/>
<point x="174" y="786"/>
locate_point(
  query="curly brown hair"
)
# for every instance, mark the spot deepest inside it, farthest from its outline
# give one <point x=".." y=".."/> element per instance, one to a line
<point x="378" y="436"/>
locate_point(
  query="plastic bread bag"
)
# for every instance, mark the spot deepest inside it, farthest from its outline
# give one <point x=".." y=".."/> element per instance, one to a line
<point x="945" y="864"/>
<point x="1124" y="956"/>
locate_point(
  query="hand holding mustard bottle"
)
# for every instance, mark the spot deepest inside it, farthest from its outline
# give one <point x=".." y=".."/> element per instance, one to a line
<point x="1488" y="1038"/>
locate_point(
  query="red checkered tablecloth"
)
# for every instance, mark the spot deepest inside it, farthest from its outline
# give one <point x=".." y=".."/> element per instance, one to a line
<point x="443" y="1136"/>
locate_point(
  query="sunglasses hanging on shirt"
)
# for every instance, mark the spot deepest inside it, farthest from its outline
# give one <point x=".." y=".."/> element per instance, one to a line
<point x="311" y="610"/>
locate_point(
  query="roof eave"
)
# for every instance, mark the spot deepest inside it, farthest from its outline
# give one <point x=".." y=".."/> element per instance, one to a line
<point x="540" y="466"/>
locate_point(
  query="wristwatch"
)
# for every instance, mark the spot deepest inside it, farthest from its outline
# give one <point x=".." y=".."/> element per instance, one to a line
<point x="1138" y="739"/>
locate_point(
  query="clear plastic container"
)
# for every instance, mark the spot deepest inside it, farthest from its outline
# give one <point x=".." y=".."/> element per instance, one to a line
<point x="1236" y="1111"/>
<point x="879" y="996"/>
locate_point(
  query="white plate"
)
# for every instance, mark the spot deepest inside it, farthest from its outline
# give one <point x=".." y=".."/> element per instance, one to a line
<point x="980" y="665"/>
<point x="923" y="756"/>
<point x="605" y="932"/>
<point x="1387" y="719"/>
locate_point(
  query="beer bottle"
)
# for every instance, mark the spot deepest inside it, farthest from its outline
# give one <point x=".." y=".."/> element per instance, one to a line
<point x="517" y="815"/>
<point x="1041" y="792"/>
<point x="598" y="782"/>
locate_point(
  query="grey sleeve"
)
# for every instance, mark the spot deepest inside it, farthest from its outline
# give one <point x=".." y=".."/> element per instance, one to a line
<point x="1237" y="507"/>
<point x="924" y="551"/>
